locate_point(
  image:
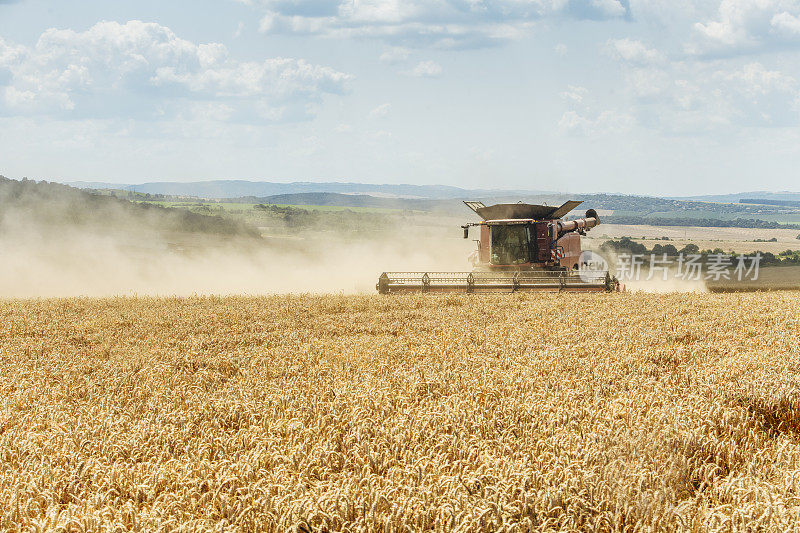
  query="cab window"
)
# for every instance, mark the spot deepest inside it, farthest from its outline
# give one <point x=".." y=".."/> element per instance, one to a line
<point x="509" y="244"/>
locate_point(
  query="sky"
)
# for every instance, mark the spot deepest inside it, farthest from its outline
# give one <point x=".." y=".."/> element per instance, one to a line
<point x="661" y="97"/>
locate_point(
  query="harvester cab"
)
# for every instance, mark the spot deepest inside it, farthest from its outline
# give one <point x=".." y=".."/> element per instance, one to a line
<point x="521" y="247"/>
<point x="529" y="237"/>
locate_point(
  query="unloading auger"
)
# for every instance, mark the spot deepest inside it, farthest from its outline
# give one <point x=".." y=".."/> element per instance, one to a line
<point x="522" y="247"/>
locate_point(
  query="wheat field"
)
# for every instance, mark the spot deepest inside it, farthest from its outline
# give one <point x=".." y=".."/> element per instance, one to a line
<point x="363" y="413"/>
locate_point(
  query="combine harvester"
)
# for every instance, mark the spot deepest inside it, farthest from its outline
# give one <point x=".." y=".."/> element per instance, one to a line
<point x="522" y="247"/>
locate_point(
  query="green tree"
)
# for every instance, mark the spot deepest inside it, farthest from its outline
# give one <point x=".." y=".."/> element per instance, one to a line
<point x="670" y="249"/>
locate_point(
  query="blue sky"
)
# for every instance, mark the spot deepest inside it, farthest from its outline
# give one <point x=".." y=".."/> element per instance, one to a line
<point x="634" y="96"/>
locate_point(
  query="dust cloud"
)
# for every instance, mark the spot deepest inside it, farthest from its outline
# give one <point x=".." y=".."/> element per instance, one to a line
<point x="73" y="261"/>
<point x="57" y="241"/>
<point x="660" y="286"/>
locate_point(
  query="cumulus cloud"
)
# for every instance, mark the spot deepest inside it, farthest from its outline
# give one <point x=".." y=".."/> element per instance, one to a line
<point x="426" y="69"/>
<point x="584" y="119"/>
<point x="672" y="13"/>
<point x="700" y="78"/>
<point x="786" y="24"/>
<point x="700" y="97"/>
<point x="144" y="70"/>
<point x="574" y="95"/>
<point x="574" y="124"/>
<point x="418" y="23"/>
<point x="633" y="51"/>
<point x="754" y="79"/>
<point x="760" y="96"/>
<point x="394" y="55"/>
<point x="380" y="111"/>
<point x="748" y="25"/>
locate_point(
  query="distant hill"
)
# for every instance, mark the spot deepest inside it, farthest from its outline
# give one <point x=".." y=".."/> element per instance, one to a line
<point x="447" y="200"/>
<point x="31" y="205"/>
<point x="626" y="209"/>
<point x="219" y="189"/>
<point x="352" y="200"/>
<point x="453" y="205"/>
<point x="738" y="197"/>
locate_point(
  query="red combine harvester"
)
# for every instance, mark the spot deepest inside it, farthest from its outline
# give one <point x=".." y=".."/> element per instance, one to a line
<point x="522" y="247"/>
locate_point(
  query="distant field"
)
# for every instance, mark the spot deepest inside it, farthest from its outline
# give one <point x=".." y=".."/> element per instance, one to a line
<point x="343" y="208"/>
<point x="769" y="278"/>
<point x="718" y="214"/>
<point x="739" y="240"/>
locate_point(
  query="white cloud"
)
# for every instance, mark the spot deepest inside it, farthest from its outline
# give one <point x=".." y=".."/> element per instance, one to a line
<point x="650" y="83"/>
<point x="419" y="23"/>
<point x="560" y="49"/>
<point x="758" y="96"/>
<point x="426" y="69"/>
<point x="10" y="53"/>
<point x="606" y="122"/>
<point x="633" y="51"/>
<point x="394" y="55"/>
<point x="583" y="119"/>
<point x="144" y="70"/>
<point x="380" y="112"/>
<point x="698" y="97"/>
<point x="309" y="147"/>
<point x="672" y="12"/>
<point x="754" y="79"/>
<point x="748" y="25"/>
<point x="786" y="24"/>
<point x="213" y="111"/>
<point x="608" y="8"/>
<point x="574" y="94"/>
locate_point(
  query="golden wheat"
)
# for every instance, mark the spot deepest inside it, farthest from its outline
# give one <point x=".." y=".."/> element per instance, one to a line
<point x="451" y="413"/>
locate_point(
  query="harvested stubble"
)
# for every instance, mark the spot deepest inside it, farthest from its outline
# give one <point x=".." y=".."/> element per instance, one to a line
<point x="518" y="413"/>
